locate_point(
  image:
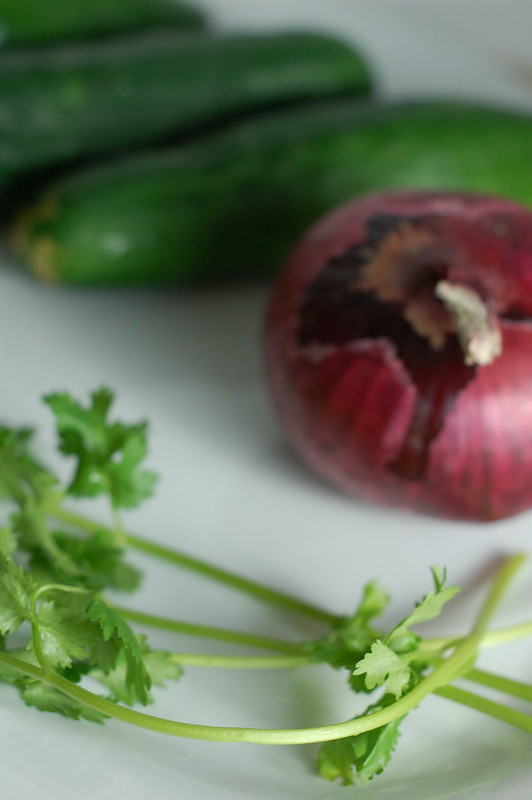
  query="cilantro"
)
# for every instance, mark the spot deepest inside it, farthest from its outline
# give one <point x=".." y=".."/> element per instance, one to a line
<point x="382" y="667"/>
<point x="8" y="542"/>
<point x="352" y="636"/>
<point x="108" y="454"/>
<point x="122" y="641"/>
<point x="99" y="562"/>
<point x="29" y="525"/>
<point x="47" y="698"/>
<point x="66" y="633"/>
<point x="20" y="472"/>
<point x="58" y="630"/>
<point x="159" y="665"/>
<point x="358" y="759"/>
<point x="16" y="588"/>
<point x="428" y="608"/>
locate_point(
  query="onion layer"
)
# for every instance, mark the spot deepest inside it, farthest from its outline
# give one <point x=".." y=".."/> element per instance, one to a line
<point x="399" y="352"/>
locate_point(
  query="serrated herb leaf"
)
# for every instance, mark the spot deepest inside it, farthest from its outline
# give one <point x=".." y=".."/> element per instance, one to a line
<point x="108" y="454"/>
<point x="353" y="636"/>
<point x="160" y="665"/>
<point x="8" y="542"/>
<point x="428" y="608"/>
<point x="100" y="562"/>
<point x="373" y="603"/>
<point x="16" y="587"/>
<point x="383" y="667"/>
<point x="34" y="536"/>
<point x="20" y="472"/>
<point x="65" y="631"/>
<point x="358" y="759"/>
<point x="47" y="698"/>
<point x="122" y="639"/>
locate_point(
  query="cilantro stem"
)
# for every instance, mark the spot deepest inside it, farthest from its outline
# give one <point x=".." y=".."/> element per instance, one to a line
<point x="455" y="665"/>
<point x="210" y="632"/>
<point x="240" y="662"/>
<point x="489" y="707"/>
<point x="434" y="645"/>
<point x="283" y="736"/>
<point x="500" y="683"/>
<point x="201" y="567"/>
<point x="438" y="644"/>
<point x="37" y="646"/>
<point x="507" y="634"/>
<point x="498" y="587"/>
<point x="55" y="587"/>
<point x="235" y="581"/>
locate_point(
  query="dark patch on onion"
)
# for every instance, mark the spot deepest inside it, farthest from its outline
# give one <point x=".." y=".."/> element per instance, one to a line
<point x="335" y="312"/>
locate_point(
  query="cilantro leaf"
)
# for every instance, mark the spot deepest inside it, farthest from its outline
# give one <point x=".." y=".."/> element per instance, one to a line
<point x="121" y="639"/>
<point x="16" y="587"/>
<point x="373" y="603"/>
<point x="159" y="664"/>
<point x="34" y="535"/>
<point x="47" y="698"/>
<point x="8" y="542"/>
<point x="357" y="759"/>
<point x="383" y="667"/>
<point x="65" y="631"/>
<point x="162" y="667"/>
<point x="108" y="454"/>
<point x="100" y="562"/>
<point x="20" y="472"/>
<point x="352" y="637"/>
<point x="426" y="609"/>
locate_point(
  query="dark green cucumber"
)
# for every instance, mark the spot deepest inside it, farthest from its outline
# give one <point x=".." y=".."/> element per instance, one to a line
<point x="44" y="21"/>
<point x="62" y="103"/>
<point x="232" y="205"/>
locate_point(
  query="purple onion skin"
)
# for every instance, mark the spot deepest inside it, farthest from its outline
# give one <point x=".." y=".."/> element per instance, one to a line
<point x="364" y="363"/>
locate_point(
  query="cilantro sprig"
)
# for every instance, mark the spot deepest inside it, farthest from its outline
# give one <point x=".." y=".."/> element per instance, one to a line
<point x="108" y="454"/>
<point x="60" y="634"/>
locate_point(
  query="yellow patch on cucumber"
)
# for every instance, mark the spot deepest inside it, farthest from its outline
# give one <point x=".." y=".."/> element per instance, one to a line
<point x="36" y="249"/>
<point x="42" y="258"/>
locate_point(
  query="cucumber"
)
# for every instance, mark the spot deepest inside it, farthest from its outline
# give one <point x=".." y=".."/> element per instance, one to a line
<point x="69" y="102"/>
<point x="45" y="21"/>
<point x="231" y="205"/>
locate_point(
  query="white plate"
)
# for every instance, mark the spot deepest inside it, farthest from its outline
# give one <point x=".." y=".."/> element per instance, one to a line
<point x="233" y="494"/>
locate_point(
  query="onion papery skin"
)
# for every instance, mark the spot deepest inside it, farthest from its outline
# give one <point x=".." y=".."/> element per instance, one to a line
<point x="346" y="399"/>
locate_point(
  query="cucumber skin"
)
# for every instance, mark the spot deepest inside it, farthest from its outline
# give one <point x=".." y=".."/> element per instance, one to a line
<point x="46" y="21"/>
<point x="231" y="206"/>
<point x="63" y="103"/>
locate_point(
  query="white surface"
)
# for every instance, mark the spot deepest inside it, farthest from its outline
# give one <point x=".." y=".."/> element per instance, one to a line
<point x="233" y="494"/>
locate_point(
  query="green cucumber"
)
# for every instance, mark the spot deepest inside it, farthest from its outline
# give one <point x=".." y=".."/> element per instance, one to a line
<point x="69" y="102"/>
<point x="44" y="21"/>
<point x="231" y="205"/>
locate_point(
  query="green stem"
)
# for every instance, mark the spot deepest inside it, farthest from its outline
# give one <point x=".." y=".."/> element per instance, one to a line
<point x="208" y="570"/>
<point x="429" y="647"/>
<point x="240" y="662"/>
<point x="37" y="645"/>
<point x="507" y="634"/>
<point x="501" y="684"/>
<point x="291" y="736"/>
<point x="434" y="645"/>
<point x="55" y="587"/>
<point x="498" y="587"/>
<point x="210" y="632"/>
<point x="455" y="665"/>
<point x="489" y="707"/>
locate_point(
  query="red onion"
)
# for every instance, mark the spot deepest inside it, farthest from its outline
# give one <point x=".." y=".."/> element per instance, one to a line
<point x="399" y="352"/>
